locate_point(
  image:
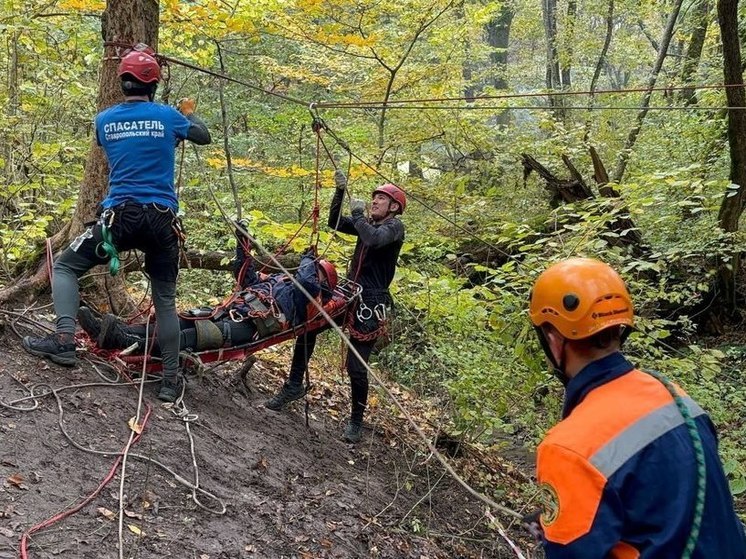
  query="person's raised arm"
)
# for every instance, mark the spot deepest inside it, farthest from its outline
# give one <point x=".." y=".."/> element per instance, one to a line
<point x="338" y="222"/>
<point x="198" y="132"/>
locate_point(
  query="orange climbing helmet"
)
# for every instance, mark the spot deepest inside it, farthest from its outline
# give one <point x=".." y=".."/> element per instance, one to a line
<point x="331" y="274"/>
<point x="580" y="297"/>
<point x="141" y="66"/>
<point x="395" y="193"/>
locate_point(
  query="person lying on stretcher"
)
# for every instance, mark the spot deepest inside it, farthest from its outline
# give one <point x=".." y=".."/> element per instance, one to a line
<point x="265" y="305"/>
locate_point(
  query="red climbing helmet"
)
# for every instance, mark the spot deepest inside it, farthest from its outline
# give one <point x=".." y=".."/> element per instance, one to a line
<point x="141" y="66"/>
<point x="330" y="272"/>
<point x="395" y="193"/>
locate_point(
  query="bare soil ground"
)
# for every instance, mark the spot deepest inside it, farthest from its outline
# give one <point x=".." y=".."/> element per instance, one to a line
<point x="288" y="490"/>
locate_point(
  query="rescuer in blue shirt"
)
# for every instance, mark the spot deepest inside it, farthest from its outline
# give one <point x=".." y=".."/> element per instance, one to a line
<point x="139" y="139"/>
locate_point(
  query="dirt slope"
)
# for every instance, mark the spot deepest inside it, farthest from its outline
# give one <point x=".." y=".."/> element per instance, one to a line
<point x="288" y="490"/>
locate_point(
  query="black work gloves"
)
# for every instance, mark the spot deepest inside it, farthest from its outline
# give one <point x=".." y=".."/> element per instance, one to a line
<point x="357" y="206"/>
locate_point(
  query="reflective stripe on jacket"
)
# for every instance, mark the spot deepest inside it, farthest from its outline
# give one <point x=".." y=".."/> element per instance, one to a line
<point x="619" y="473"/>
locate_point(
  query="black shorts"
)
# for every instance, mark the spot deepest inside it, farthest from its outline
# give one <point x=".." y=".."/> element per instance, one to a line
<point x="145" y="227"/>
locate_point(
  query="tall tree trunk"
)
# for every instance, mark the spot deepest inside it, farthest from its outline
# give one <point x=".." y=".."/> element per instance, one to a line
<point x="549" y="12"/>
<point x="226" y="136"/>
<point x="128" y="21"/>
<point x="632" y="137"/>
<point x="553" y="76"/>
<point x="11" y="109"/>
<point x="569" y="40"/>
<point x="694" y="50"/>
<point x="733" y="202"/>
<point x="600" y="64"/>
<point x="498" y="37"/>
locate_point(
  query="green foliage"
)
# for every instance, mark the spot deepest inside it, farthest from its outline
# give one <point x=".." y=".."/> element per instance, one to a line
<point x="470" y="342"/>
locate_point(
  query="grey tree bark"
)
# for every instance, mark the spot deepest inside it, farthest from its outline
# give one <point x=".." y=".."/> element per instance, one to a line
<point x="624" y="155"/>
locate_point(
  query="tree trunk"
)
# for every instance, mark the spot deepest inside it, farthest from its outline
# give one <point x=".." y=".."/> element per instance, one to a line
<point x="549" y="11"/>
<point x="733" y="203"/>
<point x="604" y="49"/>
<point x="498" y="37"/>
<point x="694" y="50"/>
<point x="569" y="40"/>
<point x="599" y="65"/>
<point x="128" y="21"/>
<point x="226" y="136"/>
<point x="575" y="189"/>
<point x="632" y="137"/>
<point x="553" y="75"/>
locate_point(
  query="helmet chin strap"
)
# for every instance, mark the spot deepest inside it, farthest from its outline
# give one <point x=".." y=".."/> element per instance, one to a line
<point x="558" y="367"/>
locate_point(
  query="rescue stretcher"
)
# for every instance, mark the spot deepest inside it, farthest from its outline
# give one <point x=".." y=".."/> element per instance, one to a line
<point x="345" y="295"/>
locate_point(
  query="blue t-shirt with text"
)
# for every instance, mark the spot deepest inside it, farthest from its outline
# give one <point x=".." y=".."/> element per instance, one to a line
<point x="139" y="139"/>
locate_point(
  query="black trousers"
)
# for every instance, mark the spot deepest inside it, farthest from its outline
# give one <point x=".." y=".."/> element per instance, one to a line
<point x="304" y="346"/>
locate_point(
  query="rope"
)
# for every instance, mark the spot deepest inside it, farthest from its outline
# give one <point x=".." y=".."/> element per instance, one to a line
<point x="699" y="503"/>
<point x="391" y="102"/>
<point x="333" y="325"/>
<point x="461" y="228"/>
<point x="316" y="127"/>
<point x="70" y="511"/>
<point x="50" y="260"/>
<point x="547" y="108"/>
<point x="133" y="432"/>
<point x="220" y="75"/>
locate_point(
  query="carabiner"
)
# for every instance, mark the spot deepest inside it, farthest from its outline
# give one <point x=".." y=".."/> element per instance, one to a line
<point x="364" y="312"/>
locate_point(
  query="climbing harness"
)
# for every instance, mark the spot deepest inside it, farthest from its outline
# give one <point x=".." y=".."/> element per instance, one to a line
<point x="364" y="312"/>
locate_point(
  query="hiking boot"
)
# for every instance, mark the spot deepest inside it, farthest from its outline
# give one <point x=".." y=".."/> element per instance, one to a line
<point x="113" y="334"/>
<point x="171" y="388"/>
<point x="89" y="322"/>
<point x="59" y="348"/>
<point x="353" y="432"/>
<point x="288" y="393"/>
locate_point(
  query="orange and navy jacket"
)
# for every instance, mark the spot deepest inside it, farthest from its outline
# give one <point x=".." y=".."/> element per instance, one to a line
<point x="618" y="473"/>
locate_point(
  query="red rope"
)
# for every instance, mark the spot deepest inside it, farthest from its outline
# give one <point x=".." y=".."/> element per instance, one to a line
<point x="316" y="188"/>
<point x="287" y="244"/>
<point x="69" y="512"/>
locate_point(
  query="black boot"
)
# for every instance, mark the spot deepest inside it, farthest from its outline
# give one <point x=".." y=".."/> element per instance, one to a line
<point x="113" y="334"/>
<point x="288" y="393"/>
<point x="59" y="348"/>
<point x="172" y="387"/>
<point x="353" y="431"/>
<point x="89" y="322"/>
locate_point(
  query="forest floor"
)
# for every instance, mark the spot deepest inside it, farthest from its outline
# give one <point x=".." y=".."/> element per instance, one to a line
<point x="288" y="490"/>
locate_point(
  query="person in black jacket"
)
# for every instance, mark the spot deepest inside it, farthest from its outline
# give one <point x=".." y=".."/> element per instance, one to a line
<point x="379" y="240"/>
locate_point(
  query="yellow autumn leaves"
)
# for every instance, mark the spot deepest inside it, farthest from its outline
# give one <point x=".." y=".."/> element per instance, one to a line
<point x="326" y="176"/>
